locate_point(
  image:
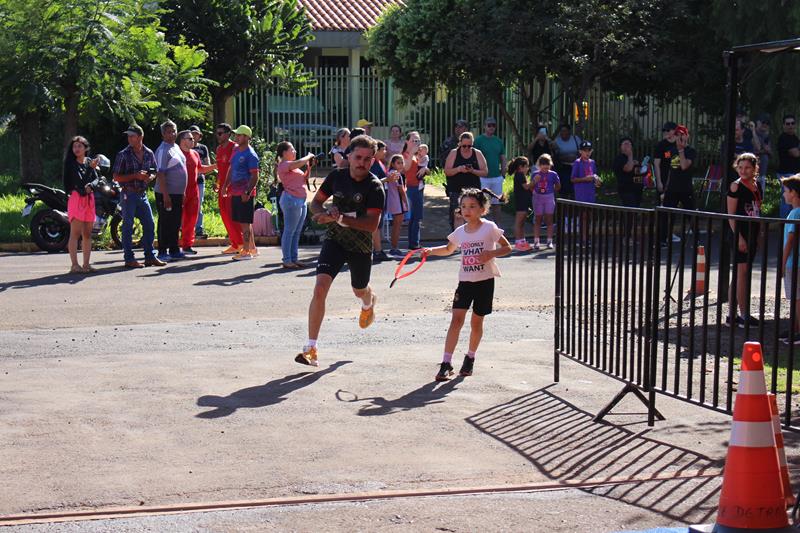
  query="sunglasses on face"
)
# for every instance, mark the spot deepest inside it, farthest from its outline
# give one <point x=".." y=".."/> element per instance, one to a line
<point x="788" y="123"/>
<point x="466" y="146"/>
<point x="491" y="125"/>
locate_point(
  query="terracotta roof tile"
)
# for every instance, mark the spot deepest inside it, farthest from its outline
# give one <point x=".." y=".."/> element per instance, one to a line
<point x="345" y="15"/>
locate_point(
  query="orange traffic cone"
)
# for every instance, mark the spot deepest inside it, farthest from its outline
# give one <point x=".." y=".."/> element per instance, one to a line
<point x="776" y="427"/>
<point x="752" y="489"/>
<point x="700" y="274"/>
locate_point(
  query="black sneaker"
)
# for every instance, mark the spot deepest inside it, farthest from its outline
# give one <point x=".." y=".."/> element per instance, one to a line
<point x="466" y="366"/>
<point x="750" y="320"/>
<point x="738" y="322"/>
<point x="784" y="335"/>
<point x="795" y="341"/>
<point x="445" y="371"/>
<point x="201" y="235"/>
<point x="189" y="251"/>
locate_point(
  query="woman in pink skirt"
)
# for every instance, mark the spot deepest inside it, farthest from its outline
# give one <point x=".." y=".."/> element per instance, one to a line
<point x="80" y="178"/>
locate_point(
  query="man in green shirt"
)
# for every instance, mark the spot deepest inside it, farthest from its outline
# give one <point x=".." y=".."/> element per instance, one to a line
<point x="493" y="149"/>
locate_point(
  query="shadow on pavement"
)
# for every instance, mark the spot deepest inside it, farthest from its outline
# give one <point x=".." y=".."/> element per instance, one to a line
<point x="270" y="393"/>
<point x="430" y="393"/>
<point x="57" y="279"/>
<point x="563" y="442"/>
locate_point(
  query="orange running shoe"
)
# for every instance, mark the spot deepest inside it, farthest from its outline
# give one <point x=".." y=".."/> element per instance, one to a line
<point x="231" y="250"/>
<point x="308" y="357"/>
<point x="367" y="316"/>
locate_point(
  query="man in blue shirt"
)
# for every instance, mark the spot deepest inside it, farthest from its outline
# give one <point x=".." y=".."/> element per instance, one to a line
<point x="240" y="186"/>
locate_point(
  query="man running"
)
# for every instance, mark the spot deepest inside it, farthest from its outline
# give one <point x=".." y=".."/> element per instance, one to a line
<point x="358" y="200"/>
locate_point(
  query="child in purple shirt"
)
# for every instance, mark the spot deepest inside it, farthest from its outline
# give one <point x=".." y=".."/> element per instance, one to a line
<point x="584" y="175"/>
<point x="544" y="183"/>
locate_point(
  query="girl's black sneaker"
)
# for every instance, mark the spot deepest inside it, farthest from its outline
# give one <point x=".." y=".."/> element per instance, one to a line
<point x="466" y="366"/>
<point x="445" y="371"/>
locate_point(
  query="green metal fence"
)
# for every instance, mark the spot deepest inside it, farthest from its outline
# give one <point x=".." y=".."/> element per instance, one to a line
<point x="311" y="120"/>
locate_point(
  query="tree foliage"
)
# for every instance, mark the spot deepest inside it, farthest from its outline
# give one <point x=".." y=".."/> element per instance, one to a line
<point x="661" y="48"/>
<point x="248" y="42"/>
<point x="81" y="59"/>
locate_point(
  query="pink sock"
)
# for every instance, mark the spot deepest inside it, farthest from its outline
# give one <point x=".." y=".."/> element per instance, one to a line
<point x="447" y="357"/>
<point x="471" y="355"/>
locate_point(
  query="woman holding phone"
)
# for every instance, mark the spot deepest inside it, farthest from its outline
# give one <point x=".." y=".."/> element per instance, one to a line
<point x="80" y="178"/>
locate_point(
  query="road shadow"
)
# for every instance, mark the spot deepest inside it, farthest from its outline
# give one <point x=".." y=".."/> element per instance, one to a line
<point x="249" y="277"/>
<point x="564" y="443"/>
<point x="270" y="393"/>
<point x="428" y="394"/>
<point x="57" y="279"/>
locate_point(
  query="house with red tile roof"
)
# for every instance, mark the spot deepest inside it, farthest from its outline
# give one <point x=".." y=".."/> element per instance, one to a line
<point x="337" y="58"/>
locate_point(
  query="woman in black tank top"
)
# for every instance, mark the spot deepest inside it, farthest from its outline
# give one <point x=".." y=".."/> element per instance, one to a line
<point x="457" y="179"/>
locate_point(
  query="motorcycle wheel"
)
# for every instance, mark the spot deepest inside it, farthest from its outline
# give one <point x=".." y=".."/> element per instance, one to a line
<point x="49" y="231"/>
<point x="116" y="231"/>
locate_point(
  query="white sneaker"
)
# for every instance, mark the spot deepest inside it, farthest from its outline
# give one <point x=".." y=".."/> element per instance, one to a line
<point x="675" y="238"/>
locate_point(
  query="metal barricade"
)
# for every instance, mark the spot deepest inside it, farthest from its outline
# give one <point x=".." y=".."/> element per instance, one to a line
<point x="641" y="312"/>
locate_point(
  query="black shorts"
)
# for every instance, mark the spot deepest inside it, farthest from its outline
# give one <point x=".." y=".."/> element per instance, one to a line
<point x="333" y="257"/>
<point x="479" y="294"/>
<point x="523" y="203"/>
<point x="242" y="212"/>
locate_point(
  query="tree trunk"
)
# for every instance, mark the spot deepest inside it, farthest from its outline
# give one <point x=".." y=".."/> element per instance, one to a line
<point x="219" y="99"/>
<point x="511" y="123"/>
<point x="30" y="146"/>
<point x="72" y="98"/>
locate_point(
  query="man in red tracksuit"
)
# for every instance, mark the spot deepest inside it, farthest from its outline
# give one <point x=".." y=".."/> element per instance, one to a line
<point x="191" y="198"/>
<point x="225" y="148"/>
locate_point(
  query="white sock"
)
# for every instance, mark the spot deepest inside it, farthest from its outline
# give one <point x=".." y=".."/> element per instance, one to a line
<point x="311" y="343"/>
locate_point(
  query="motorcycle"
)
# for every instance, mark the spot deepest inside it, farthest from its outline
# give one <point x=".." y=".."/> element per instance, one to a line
<point x="50" y="227"/>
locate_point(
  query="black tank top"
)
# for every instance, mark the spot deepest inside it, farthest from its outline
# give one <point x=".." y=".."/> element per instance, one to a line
<point x="464" y="180"/>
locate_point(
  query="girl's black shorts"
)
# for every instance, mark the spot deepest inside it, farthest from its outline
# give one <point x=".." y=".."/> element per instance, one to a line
<point x="479" y="294"/>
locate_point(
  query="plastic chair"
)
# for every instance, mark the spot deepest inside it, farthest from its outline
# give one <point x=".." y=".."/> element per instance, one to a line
<point x="712" y="181"/>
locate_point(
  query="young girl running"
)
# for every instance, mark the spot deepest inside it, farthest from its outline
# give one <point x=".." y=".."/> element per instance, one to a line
<point x="519" y="168"/>
<point x="480" y="241"/>
<point x="545" y="183"/>
<point x="396" y="200"/>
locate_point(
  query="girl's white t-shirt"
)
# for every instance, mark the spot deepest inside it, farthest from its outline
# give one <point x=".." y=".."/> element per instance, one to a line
<point x="471" y="245"/>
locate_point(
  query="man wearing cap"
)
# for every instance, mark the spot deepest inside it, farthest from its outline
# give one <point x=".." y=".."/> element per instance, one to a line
<point x="133" y="170"/>
<point x="364" y="124"/>
<point x="225" y="149"/>
<point x="202" y="151"/>
<point x="493" y="149"/>
<point x="662" y="156"/>
<point x="451" y="142"/>
<point x="678" y="188"/>
<point x="171" y="178"/>
<point x="240" y="186"/>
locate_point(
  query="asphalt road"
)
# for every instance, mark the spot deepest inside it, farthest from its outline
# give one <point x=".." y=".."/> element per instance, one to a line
<point x="177" y="385"/>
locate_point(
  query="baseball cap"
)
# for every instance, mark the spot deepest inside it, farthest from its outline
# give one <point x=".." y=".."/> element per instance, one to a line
<point x="134" y="129"/>
<point x="362" y="123"/>
<point x="491" y="120"/>
<point x="763" y="118"/>
<point x="463" y="123"/>
<point x="669" y="126"/>
<point x="586" y="145"/>
<point x="195" y="128"/>
<point x="243" y="130"/>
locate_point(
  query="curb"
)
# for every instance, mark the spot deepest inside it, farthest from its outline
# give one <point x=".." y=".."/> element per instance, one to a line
<point x="29" y="247"/>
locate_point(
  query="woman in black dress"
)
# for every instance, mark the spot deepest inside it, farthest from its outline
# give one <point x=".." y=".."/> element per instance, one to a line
<point x="744" y="199"/>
